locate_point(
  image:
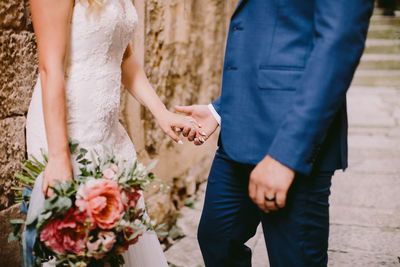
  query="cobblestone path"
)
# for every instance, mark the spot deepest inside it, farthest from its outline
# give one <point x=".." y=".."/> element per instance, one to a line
<point x="365" y="201"/>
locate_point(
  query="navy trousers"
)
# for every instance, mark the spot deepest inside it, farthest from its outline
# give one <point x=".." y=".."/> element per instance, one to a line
<point x="296" y="235"/>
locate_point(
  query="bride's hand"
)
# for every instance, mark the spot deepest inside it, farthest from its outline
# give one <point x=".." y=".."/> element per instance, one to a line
<point x="171" y="122"/>
<point x="58" y="168"/>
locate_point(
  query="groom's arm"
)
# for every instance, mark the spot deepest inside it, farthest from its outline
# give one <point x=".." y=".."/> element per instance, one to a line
<point x="340" y="27"/>
<point x="217" y="104"/>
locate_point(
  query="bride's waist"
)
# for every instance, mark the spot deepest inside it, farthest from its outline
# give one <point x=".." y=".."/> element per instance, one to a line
<point x="93" y="68"/>
<point x="84" y="106"/>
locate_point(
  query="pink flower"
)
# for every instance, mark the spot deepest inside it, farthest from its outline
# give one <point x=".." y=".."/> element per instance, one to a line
<point x="130" y="199"/>
<point x="101" y="199"/>
<point x="94" y="246"/>
<point x="114" y="167"/>
<point x="108" y="173"/>
<point x="67" y="235"/>
<point x="105" y="241"/>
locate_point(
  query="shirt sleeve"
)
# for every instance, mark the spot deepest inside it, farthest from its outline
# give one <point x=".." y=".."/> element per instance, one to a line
<point x="215" y="114"/>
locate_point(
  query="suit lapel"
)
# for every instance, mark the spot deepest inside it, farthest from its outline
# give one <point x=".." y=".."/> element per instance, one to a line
<point x="239" y="6"/>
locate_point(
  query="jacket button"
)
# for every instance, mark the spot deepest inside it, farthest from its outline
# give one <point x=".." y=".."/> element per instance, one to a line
<point x="235" y="28"/>
<point x="229" y="67"/>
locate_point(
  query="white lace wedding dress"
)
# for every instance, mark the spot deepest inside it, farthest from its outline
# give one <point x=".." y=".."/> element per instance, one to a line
<point x="98" y="40"/>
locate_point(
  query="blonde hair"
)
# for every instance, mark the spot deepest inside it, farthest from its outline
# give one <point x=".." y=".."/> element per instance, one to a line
<point x="95" y="2"/>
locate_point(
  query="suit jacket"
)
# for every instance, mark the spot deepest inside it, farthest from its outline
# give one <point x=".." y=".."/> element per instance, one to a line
<point x="288" y="65"/>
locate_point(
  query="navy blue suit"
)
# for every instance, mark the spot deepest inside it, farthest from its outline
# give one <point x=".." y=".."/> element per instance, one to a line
<point x="288" y="66"/>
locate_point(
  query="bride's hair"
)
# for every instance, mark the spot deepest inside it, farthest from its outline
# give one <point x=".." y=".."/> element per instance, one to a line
<point x="95" y="2"/>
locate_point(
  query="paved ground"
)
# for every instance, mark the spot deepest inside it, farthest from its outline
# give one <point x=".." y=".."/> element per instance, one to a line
<point x="365" y="201"/>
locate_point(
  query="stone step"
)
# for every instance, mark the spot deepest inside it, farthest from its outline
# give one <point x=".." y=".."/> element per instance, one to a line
<point x="389" y="78"/>
<point x="385" y="20"/>
<point x="380" y="62"/>
<point x="384" y="31"/>
<point x="382" y="46"/>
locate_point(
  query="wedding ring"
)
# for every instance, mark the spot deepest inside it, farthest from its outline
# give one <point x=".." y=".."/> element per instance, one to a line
<point x="270" y="199"/>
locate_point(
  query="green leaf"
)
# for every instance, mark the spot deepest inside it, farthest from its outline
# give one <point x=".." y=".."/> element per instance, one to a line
<point x="73" y="145"/>
<point x="31" y="220"/>
<point x="163" y="233"/>
<point x="47" y="215"/>
<point x="17" y="188"/>
<point x="151" y="165"/>
<point x="26" y="180"/>
<point x="38" y="163"/>
<point x="160" y="226"/>
<point x="135" y="165"/>
<point x="44" y="154"/>
<point x="12" y="237"/>
<point x="35" y="169"/>
<point x="17" y="221"/>
<point x="136" y="234"/>
<point x="16" y="226"/>
<point x="190" y="203"/>
<point x="29" y="172"/>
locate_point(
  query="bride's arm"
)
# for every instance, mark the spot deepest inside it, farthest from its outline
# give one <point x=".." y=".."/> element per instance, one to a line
<point x="51" y="21"/>
<point x="137" y="84"/>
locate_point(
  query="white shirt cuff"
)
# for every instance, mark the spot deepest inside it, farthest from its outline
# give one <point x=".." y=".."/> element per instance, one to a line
<point x="215" y="114"/>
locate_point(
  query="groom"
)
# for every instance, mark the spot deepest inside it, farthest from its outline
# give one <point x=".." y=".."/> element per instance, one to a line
<point x="282" y="112"/>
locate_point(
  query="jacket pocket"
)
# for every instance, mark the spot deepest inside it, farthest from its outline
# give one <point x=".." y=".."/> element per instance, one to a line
<point x="279" y="78"/>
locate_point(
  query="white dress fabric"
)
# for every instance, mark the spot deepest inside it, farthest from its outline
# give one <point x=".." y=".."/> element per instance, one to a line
<point x="98" y="39"/>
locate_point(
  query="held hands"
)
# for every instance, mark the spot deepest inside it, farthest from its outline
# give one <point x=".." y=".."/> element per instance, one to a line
<point x="59" y="168"/>
<point x="203" y="115"/>
<point x="171" y="123"/>
<point x="269" y="183"/>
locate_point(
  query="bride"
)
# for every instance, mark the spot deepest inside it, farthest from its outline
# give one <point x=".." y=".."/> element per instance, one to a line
<point x="84" y="55"/>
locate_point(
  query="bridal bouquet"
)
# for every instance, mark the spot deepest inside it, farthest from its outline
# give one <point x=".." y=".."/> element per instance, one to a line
<point x="95" y="218"/>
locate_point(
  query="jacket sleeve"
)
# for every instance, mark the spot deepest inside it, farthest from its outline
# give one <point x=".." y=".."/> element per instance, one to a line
<point x="217" y="105"/>
<point x="340" y="29"/>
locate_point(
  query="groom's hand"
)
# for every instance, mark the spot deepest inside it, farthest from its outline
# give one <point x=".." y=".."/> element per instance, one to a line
<point x="269" y="183"/>
<point x="203" y="115"/>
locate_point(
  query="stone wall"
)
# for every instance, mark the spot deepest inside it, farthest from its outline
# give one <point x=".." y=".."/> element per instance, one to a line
<point x="179" y="42"/>
<point x="17" y="78"/>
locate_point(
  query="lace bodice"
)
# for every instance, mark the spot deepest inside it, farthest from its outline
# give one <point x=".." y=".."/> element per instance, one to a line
<point x="93" y="74"/>
<point x="98" y="39"/>
<point x="99" y="36"/>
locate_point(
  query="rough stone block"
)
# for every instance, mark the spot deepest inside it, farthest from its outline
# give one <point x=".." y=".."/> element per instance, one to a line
<point x="12" y="14"/>
<point x="161" y="208"/>
<point x="12" y="155"/>
<point x="9" y="252"/>
<point x="18" y="71"/>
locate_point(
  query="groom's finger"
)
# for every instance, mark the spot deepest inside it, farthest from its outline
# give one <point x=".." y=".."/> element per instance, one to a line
<point x="198" y="142"/>
<point x="281" y="199"/>
<point x="252" y="191"/>
<point x="260" y="198"/>
<point x="270" y="204"/>
<point x="184" y="109"/>
<point x="186" y="131"/>
<point x="192" y="134"/>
